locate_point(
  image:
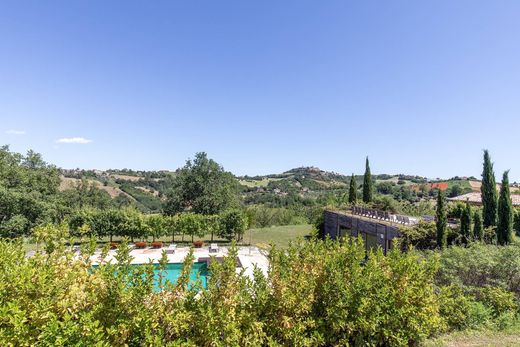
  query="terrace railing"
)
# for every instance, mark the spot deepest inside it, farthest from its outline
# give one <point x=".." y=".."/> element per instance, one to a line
<point x="383" y="215"/>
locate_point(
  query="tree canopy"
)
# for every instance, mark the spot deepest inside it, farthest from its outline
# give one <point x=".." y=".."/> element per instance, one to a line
<point x="202" y="186"/>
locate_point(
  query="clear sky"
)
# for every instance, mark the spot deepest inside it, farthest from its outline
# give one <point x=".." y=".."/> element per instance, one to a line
<point x="421" y="87"/>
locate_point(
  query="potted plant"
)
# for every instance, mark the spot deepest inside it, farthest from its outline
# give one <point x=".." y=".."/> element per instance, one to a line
<point x="157" y="244"/>
<point x="141" y="245"/>
<point x="198" y="244"/>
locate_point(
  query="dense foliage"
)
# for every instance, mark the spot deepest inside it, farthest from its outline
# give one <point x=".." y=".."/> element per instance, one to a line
<point x="480" y="286"/>
<point x="28" y="192"/>
<point x="132" y="224"/>
<point x="316" y="294"/>
<point x="202" y="186"/>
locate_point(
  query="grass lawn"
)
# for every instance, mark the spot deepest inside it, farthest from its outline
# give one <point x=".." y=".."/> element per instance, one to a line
<point x="486" y="338"/>
<point x="279" y="235"/>
<point x="260" y="237"/>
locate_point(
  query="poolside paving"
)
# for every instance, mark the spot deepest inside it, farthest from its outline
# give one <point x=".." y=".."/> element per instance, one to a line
<point x="248" y="256"/>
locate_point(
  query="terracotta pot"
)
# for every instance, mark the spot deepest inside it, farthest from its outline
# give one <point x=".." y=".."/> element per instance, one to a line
<point x="198" y="244"/>
<point x="157" y="244"/>
<point x="141" y="245"/>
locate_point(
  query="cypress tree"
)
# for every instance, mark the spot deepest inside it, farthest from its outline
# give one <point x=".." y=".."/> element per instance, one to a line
<point x="489" y="193"/>
<point x="505" y="213"/>
<point x="442" y="220"/>
<point x="465" y="224"/>
<point x="478" y="229"/>
<point x="352" y="194"/>
<point x="367" y="184"/>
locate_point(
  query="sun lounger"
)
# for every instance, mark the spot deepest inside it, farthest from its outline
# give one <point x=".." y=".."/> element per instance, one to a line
<point x="213" y="248"/>
<point x="171" y="248"/>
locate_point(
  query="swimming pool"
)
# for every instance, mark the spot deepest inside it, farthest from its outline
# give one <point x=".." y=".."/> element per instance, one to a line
<point x="173" y="271"/>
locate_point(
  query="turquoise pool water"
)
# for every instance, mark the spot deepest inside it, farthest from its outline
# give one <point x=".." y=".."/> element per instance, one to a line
<point x="173" y="270"/>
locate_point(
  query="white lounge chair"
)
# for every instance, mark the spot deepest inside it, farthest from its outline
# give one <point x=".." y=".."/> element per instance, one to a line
<point x="171" y="248"/>
<point x="213" y="248"/>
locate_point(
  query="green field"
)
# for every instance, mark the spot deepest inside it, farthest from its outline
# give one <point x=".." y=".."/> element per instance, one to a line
<point x="278" y="235"/>
<point x="257" y="183"/>
<point x="464" y="184"/>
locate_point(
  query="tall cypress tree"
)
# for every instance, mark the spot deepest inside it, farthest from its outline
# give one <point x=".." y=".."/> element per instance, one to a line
<point x="478" y="228"/>
<point x="442" y="220"/>
<point x="352" y="194"/>
<point x="489" y="193"/>
<point x="505" y="213"/>
<point x="367" y="184"/>
<point x="465" y="224"/>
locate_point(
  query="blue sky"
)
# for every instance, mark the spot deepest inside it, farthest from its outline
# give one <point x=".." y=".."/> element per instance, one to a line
<point x="264" y="86"/>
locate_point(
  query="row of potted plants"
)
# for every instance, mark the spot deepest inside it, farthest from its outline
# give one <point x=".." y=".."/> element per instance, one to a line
<point x="155" y="244"/>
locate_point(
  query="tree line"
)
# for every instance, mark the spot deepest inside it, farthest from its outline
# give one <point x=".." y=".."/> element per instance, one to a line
<point x="132" y="224"/>
<point x="497" y="215"/>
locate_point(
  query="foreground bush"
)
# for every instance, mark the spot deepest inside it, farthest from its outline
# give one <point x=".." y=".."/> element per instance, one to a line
<point x="480" y="265"/>
<point x="316" y="294"/>
<point x="479" y="286"/>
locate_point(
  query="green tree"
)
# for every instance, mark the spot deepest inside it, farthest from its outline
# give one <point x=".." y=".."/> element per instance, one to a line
<point x="191" y="224"/>
<point x="211" y="225"/>
<point x="108" y="223"/>
<point x="80" y="218"/>
<point x="489" y="193"/>
<point x="28" y="193"/>
<point x="233" y="224"/>
<point x="86" y="194"/>
<point x="456" y="190"/>
<point x="478" y="229"/>
<point x="14" y="227"/>
<point x="465" y="224"/>
<point x="442" y="220"/>
<point x="352" y="194"/>
<point x="505" y="213"/>
<point x="202" y="186"/>
<point x="367" y="184"/>
<point x="157" y="225"/>
<point x="172" y="225"/>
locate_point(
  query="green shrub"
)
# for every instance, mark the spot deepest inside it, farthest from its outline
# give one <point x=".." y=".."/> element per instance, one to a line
<point x="480" y="265"/>
<point x="316" y="293"/>
<point x="498" y="299"/>
<point x="478" y="315"/>
<point x="461" y="311"/>
<point x="328" y="294"/>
